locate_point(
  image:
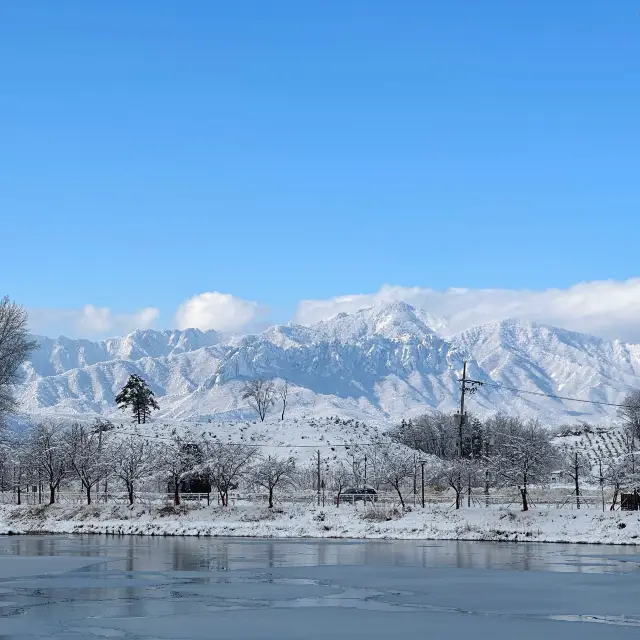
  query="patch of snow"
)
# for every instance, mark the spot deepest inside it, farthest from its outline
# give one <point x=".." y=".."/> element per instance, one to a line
<point x="301" y="521"/>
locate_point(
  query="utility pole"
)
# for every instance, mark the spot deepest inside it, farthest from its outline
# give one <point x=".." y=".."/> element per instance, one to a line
<point x="577" y="481"/>
<point x="106" y="480"/>
<point x="463" y="389"/>
<point x="471" y="386"/>
<point x="318" y="479"/>
<point x="422" y="462"/>
<point x="415" y="477"/>
<point x="365" y="471"/>
<point x="488" y="442"/>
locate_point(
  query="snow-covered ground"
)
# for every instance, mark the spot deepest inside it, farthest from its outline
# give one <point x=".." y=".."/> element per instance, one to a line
<point x="598" y="444"/>
<point x="303" y="521"/>
<point x="299" y="437"/>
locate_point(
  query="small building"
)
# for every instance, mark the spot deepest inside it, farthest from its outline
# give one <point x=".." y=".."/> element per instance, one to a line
<point x="630" y="501"/>
<point x="558" y="477"/>
<point x="192" y="484"/>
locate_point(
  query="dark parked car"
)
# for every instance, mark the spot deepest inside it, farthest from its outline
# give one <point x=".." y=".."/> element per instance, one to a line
<point x="353" y="495"/>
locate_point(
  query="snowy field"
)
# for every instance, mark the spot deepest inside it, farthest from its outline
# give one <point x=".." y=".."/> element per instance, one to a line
<point x="303" y="521"/>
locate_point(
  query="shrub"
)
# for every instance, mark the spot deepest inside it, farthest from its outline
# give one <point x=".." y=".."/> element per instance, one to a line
<point x="172" y="510"/>
<point x="377" y="513"/>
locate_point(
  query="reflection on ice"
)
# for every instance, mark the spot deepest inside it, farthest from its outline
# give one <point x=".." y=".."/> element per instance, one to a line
<point x="75" y="587"/>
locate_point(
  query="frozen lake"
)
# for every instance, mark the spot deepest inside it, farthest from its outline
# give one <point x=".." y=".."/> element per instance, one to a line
<point x="191" y="588"/>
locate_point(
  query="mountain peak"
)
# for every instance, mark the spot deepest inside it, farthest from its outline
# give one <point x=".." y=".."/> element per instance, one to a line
<point x="525" y="332"/>
<point x="393" y="321"/>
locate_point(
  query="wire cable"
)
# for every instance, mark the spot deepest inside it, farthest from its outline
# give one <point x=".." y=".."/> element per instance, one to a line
<point x="548" y="395"/>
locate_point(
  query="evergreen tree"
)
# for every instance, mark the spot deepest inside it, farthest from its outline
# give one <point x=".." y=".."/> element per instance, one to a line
<point x="137" y="396"/>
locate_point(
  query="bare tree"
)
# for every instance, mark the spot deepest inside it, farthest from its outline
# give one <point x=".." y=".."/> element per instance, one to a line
<point x="15" y="347"/>
<point x="47" y="450"/>
<point x="599" y="473"/>
<point x="339" y="479"/>
<point x="18" y="464"/>
<point x="176" y="459"/>
<point x="131" y="460"/>
<point x="631" y="449"/>
<point x="630" y="413"/>
<point x="261" y="396"/>
<point x="283" y="392"/>
<point x="451" y="473"/>
<point x="616" y="474"/>
<point x="617" y="470"/>
<point x="523" y="455"/>
<point x="577" y="467"/>
<point x="306" y="474"/>
<point x="270" y="472"/>
<point x="225" y="463"/>
<point x="396" y="465"/>
<point x="360" y="459"/>
<point x="86" y="454"/>
<point x="5" y="464"/>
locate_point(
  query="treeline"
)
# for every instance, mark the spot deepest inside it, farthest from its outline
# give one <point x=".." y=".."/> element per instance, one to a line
<point x="54" y="455"/>
<point x="507" y="451"/>
<point x="486" y="455"/>
<point x="502" y="451"/>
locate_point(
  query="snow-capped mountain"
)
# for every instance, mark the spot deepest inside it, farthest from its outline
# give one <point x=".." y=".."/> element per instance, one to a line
<point x="554" y="361"/>
<point x="380" y="363"/>
<point x="55" y="356"/>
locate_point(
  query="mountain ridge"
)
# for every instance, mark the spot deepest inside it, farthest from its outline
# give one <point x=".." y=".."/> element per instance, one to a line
<point x="386" y="361"/>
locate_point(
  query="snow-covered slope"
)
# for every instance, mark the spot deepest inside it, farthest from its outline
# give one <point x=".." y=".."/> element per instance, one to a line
<point x="554" y="361"/>
<point x="377" y="364"/>
<point x="55" y="356"/>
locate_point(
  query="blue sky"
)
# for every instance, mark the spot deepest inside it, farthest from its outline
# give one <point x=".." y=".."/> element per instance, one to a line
<point x="287" y="151"/>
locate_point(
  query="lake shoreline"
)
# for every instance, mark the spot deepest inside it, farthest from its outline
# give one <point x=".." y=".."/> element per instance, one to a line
<point x="435" y="522"/>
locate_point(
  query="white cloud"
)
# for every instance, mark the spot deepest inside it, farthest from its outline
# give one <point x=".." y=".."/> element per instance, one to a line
<point x="95" y="319"/>
<point x="89" y="321"/>
<point x="608" y="307"/>
<point x="214" y="310"/>
<point x="144" y="318"/>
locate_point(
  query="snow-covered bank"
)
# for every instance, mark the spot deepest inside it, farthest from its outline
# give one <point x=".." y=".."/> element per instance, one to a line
<point x="295" y="521"/>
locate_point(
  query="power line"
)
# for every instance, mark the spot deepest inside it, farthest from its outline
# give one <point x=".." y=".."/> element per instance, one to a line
<point x="546" y="395"/>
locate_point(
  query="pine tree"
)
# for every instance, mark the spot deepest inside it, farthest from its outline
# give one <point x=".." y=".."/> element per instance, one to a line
<point x="137" y="396"/>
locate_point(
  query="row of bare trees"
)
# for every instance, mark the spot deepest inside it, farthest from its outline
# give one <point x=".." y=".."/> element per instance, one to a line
<point x="500" y="452"/>
<point x="508" y="451"/>
<point x="54" y="454"/>
<point x="50" y="454"/>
